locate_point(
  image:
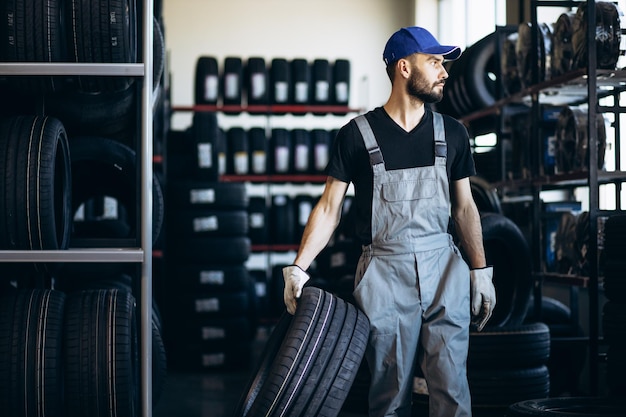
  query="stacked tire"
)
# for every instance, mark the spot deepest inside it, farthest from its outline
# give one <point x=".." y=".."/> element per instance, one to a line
<point x="105" y="171"/>
<point x="40" y="198"/>
<point x="105" y="204"/>
<point x="476" y="80"/>
<point x="284" y="151"/>
<point x="508" y="364"/>
<point x="71" y="31"/>
<point x="207" y="283"/>
<point x="72" y="354"/>
<point x="561" y="46"/>
<point x="252" y="81"/>
<point x="567" y="357"/>
<point x="31" y="372"/>
<point x="505" y="365"/>
<point x="572" y="141"/>
<point x="35" y="189"/>
<point x="471" y="84"/>
<point x="70" y="180"/>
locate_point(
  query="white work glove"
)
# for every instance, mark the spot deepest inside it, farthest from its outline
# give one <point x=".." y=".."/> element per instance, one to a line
<point x="295" y="278"/>
<point x="483" y="295"/>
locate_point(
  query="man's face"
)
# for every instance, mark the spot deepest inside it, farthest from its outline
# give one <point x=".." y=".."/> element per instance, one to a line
<point x="427" y="78"/>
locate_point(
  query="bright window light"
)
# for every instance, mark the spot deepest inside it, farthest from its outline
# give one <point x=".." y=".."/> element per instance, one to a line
<point x="487" y="140"/>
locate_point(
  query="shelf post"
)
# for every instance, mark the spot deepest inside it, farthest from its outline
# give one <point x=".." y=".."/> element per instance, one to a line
<point x="592" y="254"/>
<point x="146" y="211"/>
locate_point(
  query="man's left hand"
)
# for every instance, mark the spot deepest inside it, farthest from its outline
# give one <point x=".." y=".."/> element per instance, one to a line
<point x="483" y="295"/>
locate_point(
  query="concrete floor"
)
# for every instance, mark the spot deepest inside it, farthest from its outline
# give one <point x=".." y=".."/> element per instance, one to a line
<point x="214" y="394"/>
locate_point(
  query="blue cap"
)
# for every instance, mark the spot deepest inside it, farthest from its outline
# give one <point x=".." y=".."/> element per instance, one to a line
<point x="410" y="40"/>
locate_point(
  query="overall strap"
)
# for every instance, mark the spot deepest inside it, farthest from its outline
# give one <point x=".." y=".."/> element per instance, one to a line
<point x="376" y="157"/>
<point x="441" y="147"/>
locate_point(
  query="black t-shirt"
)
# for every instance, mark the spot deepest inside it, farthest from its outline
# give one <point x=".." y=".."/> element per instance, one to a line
<point x="349" y="161"/>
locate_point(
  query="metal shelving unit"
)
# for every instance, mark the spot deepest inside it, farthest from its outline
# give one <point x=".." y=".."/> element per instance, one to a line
<point x="584" y="89"/>
<point x="579" y="86"/>
<point x="143" y="253"/>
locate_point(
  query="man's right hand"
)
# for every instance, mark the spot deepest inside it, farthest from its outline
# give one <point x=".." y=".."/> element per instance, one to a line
<point x="295" y="278"/>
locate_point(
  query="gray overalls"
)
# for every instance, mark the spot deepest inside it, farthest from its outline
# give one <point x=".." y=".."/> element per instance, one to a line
<point x="413" y="285"/>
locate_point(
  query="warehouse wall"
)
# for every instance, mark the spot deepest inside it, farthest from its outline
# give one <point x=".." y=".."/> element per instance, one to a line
<point x="352" y="29"/>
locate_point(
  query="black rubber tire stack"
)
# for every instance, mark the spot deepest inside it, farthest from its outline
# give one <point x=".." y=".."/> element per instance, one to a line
<point x="321" y="82"/>
<point x="72" y="354"/>
<point x="567" y="357"/>
<point x="44" y="45"/>
<point x="341" y="82"/>
<point x="258" y="150"/>
<point x="31" y="340"/>
<point x="101" y="354"/>
<point x="232" y="83"/>
<point x="195" y="152"/>
<point x="256" y="81"/>
<point x="281" y="151"/>
<point x="55" y="131"/>
<point x="237" y="162"/>
<point x="280" y="81"/>
<point x="105" y="167"/>
<point x="207" y="81"/>
<point x="207" y="284"/>
<point x="300" y="81"/>
<point x="508" y="364"/>
<point x="505" y="365"/>
<point x="471" y="84"/>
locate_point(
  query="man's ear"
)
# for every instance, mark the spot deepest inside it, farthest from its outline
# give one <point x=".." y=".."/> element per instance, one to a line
<point x="403" y="68"/>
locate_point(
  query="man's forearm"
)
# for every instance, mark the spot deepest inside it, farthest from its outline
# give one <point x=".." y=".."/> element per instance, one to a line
<point x="317" y="233"/>
<point x="468" y="227"/>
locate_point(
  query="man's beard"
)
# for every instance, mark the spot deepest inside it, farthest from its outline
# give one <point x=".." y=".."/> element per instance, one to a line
<point x="419" y="88"/>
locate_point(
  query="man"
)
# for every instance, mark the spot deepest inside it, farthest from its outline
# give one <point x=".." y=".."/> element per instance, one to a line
<point x="410" y="168"/>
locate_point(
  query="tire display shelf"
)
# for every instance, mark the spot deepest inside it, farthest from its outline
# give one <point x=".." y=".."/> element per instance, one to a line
<point x="122" y="254"/>
<point x="274" y="247"/>
<point x="578" y="86"/>
<point x="267" y="109"/>
<point x="276" y="178"/>
<point x="570" y="88"/>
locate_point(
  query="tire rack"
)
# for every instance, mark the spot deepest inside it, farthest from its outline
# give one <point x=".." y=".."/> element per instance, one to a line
<point x="143" y="253"/>
<point x="588" y="80"/>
